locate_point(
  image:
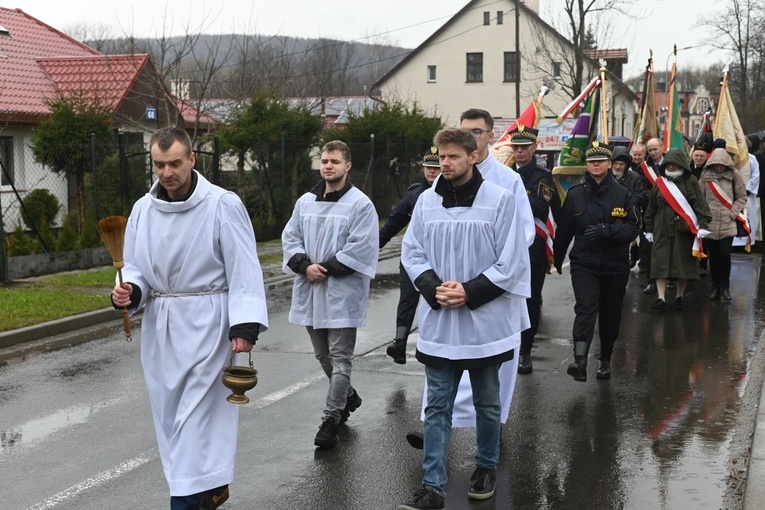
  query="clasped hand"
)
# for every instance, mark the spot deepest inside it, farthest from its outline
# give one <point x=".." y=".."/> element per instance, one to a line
<point x="451" y="295"/>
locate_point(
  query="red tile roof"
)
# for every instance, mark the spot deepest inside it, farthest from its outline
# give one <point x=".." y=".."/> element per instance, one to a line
<point x="24" y="85"/>
<point x="106" y="77"/>
<point x="608" y="54"/>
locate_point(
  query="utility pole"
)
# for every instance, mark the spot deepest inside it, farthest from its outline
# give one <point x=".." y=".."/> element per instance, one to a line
<point x="518" y="59"/>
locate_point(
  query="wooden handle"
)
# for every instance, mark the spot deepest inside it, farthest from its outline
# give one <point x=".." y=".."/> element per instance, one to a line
<point x="126" y="322"/>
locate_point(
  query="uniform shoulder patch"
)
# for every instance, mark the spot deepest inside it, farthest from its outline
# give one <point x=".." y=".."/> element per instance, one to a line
<point x="546" y="192"/>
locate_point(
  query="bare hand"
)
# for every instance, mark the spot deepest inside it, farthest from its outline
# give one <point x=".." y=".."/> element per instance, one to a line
<point x="121" y="295"/>
<point x="315" y="273"/>
<point x="240" y="345"/>
<point x="451" y="295"/>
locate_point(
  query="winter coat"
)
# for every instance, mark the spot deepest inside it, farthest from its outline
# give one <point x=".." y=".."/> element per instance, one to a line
<point x="671" y="255"/>
<point x="723" y="222"/>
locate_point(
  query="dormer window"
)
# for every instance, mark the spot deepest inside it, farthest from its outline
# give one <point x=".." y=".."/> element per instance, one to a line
<point x="4" y="32"/>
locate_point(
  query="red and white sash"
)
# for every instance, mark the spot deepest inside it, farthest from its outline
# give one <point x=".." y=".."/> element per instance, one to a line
<point x="547" y="232"/>
<point x="649" y="172"/>
<point x="725" y="200"/>
<point x="682" y="208"/>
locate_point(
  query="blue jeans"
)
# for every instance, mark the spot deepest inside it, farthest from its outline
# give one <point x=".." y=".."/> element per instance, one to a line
<point x="334" y="348"/>
<point x="443" y="384"/>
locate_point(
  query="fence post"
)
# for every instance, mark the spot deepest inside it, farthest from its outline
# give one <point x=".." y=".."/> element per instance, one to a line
<point x="123" y="171"/>
<point x="94" y="178"/>
<point x="216" y="161"/>
<point x="284" y="181"/>
<point x="3" y="272"/>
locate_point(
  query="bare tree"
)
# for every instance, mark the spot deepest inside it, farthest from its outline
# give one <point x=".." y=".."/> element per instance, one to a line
<point x="739" y="26"/>
<point x="582" y="24"/>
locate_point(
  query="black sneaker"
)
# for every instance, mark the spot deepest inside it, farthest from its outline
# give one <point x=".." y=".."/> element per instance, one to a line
<point x="327" y="435"/>
<point x="424" y="499"/>
<point x="524" y="364"/>
<point x="214" y="498"/>
<point x="353" y="403"/>
<point x="482" y="483"/>
<point x="416" y="440"/>
<point x="397" y="351"/>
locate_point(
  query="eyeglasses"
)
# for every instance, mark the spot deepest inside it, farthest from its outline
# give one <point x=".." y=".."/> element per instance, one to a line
<point x="477" y="132"/>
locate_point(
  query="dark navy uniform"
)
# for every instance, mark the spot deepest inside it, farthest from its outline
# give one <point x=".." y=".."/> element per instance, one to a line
<point x="409" y="297"/>
<point x="602" y="219"/>
<point x="541" y="192"/>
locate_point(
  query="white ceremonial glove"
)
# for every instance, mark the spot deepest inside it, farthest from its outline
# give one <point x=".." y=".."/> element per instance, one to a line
<point x="648" y="237"/>
<point x="702" y="233"/>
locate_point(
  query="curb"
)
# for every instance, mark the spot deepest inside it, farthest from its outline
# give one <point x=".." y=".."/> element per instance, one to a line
<point x="106" y="319"/>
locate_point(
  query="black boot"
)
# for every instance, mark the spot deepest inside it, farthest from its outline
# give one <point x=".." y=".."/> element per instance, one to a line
<point x="524" y="364"/>
<point x="578" y="369"/>
<point x="397" y="350"/>
<point x="604" y="369"/>
<point x="725" y="292"/>
<point x="715" y="295"/>
<point x="650" y="288"/>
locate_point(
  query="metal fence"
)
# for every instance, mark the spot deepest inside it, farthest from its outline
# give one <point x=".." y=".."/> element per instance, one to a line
<point x="268" y="181"/>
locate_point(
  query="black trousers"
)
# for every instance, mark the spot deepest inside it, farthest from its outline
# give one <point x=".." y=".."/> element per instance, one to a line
<point x="534" y="303"/>
<point x="645" y="254"/>
<point x="598" y="298"/>
<point x="719" y="259"/>
<point x="407" y="302"/>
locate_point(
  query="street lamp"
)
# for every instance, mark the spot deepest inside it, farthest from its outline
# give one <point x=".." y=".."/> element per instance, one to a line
<point x="673" y="52"/>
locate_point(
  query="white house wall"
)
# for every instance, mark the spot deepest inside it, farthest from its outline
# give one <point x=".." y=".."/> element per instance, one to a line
<point x="449" y="95"/>
<point x="28" y="176"/>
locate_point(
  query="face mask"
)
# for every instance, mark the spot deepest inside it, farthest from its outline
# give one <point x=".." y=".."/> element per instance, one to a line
<point x="675" y="174"/>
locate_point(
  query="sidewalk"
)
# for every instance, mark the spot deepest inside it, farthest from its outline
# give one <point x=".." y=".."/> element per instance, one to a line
<point x="88" y="326"/>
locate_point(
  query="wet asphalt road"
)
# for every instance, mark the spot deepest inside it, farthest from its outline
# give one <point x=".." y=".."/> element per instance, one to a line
<point x="670" y="430"/>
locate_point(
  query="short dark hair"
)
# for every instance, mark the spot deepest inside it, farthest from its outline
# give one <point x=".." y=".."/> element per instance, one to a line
<point x="337" y="145"/>
<point x="461" y="137"/>
<point x="477" y="113"/>
<point x="165" y="137"/>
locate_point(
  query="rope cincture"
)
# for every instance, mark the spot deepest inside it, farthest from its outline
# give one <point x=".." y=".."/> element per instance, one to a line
<point x="157" y="294"/>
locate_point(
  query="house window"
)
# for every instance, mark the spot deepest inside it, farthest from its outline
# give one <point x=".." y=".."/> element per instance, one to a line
<point x="486" y="18"/>
<point x="431" y="74"/>
<point x="500" y="17"/>
<point x="6" y="157"/>
<point x="474" y="67"/>
<point x="703" y="105"/>
<point x="556" y="66"/>
<point x="512" y="67"/>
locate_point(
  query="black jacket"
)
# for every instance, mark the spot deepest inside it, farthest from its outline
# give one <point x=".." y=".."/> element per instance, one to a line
<point x="541" y="192"/>
<point x="612" y="208"/>
<point x="401" y="214"/>
<point x="636" y="185"/>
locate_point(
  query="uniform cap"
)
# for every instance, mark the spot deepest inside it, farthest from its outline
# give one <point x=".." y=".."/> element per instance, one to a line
<point x="523" y="135"/>
<point x="598" y="151"/>
<point x="430" y="158"/>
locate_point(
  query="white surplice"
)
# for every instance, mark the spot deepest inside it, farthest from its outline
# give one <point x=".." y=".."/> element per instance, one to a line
<point x="203" y="245"/>
<point x="495" y="171"/>
<point x="348" y="230"/>
<point x="459" y="244"/>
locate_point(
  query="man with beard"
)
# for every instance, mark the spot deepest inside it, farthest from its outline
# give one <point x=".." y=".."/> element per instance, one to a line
<point x="466" y="251"/>
<point x="331" y="242"/>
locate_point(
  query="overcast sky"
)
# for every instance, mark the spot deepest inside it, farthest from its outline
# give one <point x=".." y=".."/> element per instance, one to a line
<point x="403" y="22"/>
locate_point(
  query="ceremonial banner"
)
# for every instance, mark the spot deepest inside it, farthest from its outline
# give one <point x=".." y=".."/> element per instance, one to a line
<point x="501" y="148"/>
<point x="728" y="127"/>
<point x="571" y="164"/>
<point x="647" y="125"/>
<point x="673" y="134"/>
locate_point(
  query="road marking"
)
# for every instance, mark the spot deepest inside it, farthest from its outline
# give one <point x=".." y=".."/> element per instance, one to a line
<point x="286" y="392"/>
<point x="97" y="480"/>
